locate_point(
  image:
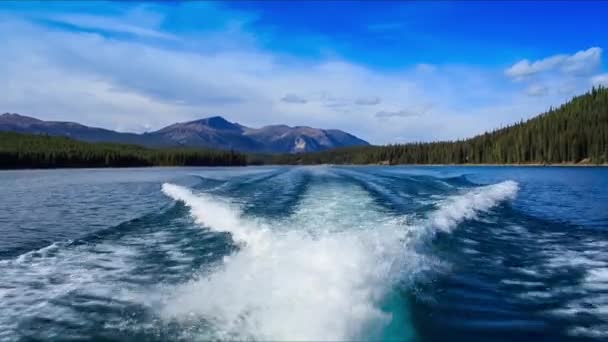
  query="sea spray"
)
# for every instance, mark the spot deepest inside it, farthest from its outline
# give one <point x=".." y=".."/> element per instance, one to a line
<point x="466" y="206"/>
<point x="311" y="282"/>
<point x="305" y="285"/>
<point x="219" y="215"/>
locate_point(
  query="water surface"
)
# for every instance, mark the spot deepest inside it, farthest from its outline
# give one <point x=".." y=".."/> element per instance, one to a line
<point x="305" y="253"/>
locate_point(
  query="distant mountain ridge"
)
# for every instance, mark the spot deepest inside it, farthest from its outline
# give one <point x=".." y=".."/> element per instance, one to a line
<point x="211" y="132"/>
<point x="574" y="133"/>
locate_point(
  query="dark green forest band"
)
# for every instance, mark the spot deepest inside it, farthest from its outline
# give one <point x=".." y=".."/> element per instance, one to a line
<point x="573" y="133"/>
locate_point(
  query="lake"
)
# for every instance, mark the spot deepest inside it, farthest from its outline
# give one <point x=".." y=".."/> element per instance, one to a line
<point x="305" y="253"/>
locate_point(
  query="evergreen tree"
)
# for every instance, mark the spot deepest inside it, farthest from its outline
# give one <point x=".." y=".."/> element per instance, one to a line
<point x="575" y="132"/>
<point x="42" y="151"/>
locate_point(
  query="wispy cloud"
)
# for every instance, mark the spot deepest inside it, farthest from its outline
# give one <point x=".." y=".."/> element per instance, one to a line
<point x="293" y="98"/>
<point x="580" y="63"/>
<point x="141" y="81"/>
<point x="95" y="22"/>
<point x="404" y="113"/>
<point x="537" y="90"/>
<point x="368" y="101"/>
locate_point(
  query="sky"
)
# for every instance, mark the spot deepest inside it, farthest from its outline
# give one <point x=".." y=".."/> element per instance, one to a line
<point x="388" y="72"/>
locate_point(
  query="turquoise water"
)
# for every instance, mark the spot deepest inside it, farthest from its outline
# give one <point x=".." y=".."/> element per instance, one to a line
<point x="305" y="253"/>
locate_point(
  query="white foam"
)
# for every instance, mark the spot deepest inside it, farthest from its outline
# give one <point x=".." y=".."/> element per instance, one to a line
<point x="600" y="331"/>
<point x="583" y="296"/>
<point x="218" y="215"/>
<point x="529" y="271"/>
<point x="597" y="279"/>
<point x="561" y="257"/>
<point x="466" y="206"/>
<point x="34" y="279"/>
<point x="37" y="284"/>
<point x="306" y="284"/>
<point x="322" y="274"/>
<point x="524" y="283"/>
<point x="470" y="251"/>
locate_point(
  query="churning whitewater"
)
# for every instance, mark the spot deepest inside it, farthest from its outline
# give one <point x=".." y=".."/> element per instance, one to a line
<point x="320" y="274"/>
<point x="304" y="253"/>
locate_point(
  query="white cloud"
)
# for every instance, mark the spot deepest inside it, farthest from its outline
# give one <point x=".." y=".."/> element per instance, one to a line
<point x="405" y="112"/>
<point x="600" y="80"/>
<point x="139" y="85"/>
<point x="581" y="63"/>
<point x="112" y="25"/>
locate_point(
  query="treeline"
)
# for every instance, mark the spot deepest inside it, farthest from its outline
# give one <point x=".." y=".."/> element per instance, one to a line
<point x="40" y="151"/>
<point x="573" y="133"/>
<point x="576" y="132"/>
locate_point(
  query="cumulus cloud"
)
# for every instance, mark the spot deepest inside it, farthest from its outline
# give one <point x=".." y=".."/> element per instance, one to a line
<point x="293" y="98"/>
<point x="122" y="81"/>
<point x="581" y="63"/>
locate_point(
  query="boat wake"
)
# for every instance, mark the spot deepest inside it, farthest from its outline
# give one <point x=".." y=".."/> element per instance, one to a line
<point x="323" y="273"/>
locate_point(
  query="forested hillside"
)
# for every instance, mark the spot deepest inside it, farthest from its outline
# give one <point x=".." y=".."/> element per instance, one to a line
<point x="40" y="151"/>
<point x="573" y="133"/>
<point x="210" y="133"/>
<point x="576" y="132"/>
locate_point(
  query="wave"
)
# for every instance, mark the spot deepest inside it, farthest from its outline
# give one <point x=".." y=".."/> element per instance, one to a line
<point x="68" y="282"/>
<point x="284" y="284"/>
<point x="216" y="214"/>
<point x="322" y="274"/>
<point x="466" y="206"/>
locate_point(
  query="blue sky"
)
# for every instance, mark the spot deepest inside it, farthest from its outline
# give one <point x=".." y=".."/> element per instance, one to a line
<point x="387" y="71"/>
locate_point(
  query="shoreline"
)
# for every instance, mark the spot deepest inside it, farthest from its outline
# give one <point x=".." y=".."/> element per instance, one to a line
<point x="574" y="165"/>
<point x="507" y="165"/>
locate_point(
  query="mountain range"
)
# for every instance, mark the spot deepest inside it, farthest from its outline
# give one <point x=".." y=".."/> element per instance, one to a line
<point x="212" y="132"/>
